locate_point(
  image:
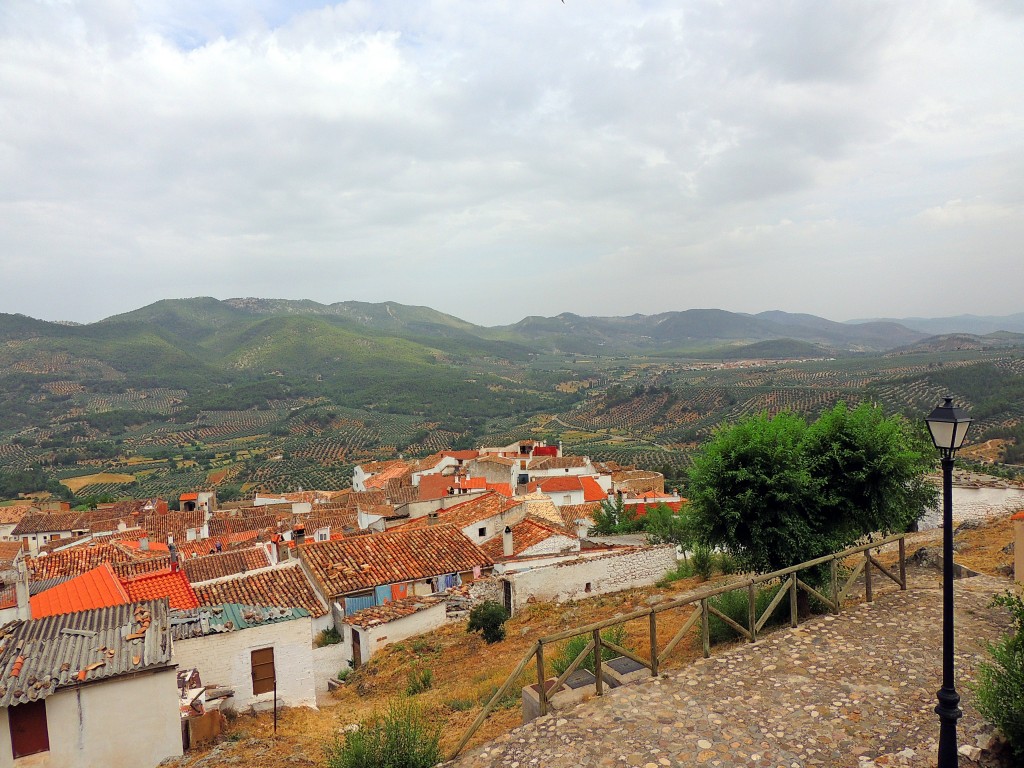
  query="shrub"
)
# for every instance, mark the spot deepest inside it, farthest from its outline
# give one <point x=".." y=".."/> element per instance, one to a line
<point x="419" y="680"/>
<point x="702" y="561"/>
<point x="459" y="705"/>
<point x="329" y="636"/>
<point x="683" y="570"/>
<point x="726" y="562"/>
<point x="999" y="690"/>
<point x="736" y="605"/>
<point x="574" y="647"/>
<point x="400" y="737"/>
<point x="343" y="673"/>
<point x="489" y="619"/>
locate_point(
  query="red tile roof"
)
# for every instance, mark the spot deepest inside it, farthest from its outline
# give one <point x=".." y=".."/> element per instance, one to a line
<point x="570" y="513"/>
<point x="218" y="566"/>
<point x="396" y="609"/>
<point x="14" y="512"/>
<point x="97" y="588"/>
<point x="72" y="562"/>
<point x="465" y="513"/>
<point x="189" y="497"/>
<point x="285" y="587"/>
<point x="560" y="484"/>
<point x="528" y="533"/>
<point x="395" y="556"/>
<point x="172" y="585"/>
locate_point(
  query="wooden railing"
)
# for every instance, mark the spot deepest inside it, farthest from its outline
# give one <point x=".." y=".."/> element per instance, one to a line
<point x="791" y="583"/>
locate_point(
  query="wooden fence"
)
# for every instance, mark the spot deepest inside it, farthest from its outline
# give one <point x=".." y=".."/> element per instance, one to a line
<point x="791" y="583"/>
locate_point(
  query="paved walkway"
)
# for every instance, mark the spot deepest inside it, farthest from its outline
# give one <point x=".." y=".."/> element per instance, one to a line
<point x="853" y="690"/>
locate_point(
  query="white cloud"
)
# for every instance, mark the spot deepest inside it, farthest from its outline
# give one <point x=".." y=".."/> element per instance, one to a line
<point x="501" y="159"/>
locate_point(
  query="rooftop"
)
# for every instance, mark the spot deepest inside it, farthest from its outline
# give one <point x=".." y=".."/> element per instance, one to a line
<point x="285" y="585"/>
<point x="98" y="588"/>
<point x="172" y="585"/>
<point x="229" y="617"/>
<point x="396" y="609"/>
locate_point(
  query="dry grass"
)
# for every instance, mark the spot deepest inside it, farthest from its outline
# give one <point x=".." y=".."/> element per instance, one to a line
<point x="78" y="483"/>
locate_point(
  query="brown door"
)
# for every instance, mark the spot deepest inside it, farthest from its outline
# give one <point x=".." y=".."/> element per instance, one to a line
<point x="28" y="728"/>
<point x="357" y="654"/>
<point x="263" y="671"/>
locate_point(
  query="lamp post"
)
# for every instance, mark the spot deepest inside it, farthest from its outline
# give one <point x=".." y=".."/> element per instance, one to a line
<point x="948" y="426"/>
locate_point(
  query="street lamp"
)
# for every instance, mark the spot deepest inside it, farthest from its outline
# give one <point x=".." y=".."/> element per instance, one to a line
<point x="948" y="426"/>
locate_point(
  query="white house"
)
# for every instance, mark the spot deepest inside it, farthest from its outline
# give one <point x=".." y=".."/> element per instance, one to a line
<point x="251" y="650"/>
<point x="369" y="630"/>
<point x="64" y="702"/>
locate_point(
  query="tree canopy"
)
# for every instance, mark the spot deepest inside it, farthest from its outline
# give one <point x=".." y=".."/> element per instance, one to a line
<point x="775" y="491"/>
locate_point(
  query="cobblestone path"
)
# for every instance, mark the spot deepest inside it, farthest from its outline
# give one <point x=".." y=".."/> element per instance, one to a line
<point x="853" y="690"/>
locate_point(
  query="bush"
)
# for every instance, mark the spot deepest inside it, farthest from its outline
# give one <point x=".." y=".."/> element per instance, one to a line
<point x="401" y="737"/>
<point x="683" y="570"/>
<point x="736" y="605"/>
<point x="574" y="647"/>
<point x="489" y="619"/>
<point x="726" y="562"/>
<point x="329" y="636"/>
<point x="419" y="680"/>
<point x="999" y="690"/>
<point x="343" y="673"/>
<point x="702" y="561"/>
<point x="459" y="705"/>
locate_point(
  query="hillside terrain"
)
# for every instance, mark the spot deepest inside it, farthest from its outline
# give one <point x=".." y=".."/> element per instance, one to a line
<point x="273" y="395"/>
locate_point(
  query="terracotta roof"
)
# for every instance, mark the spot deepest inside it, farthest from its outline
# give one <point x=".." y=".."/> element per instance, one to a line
<point x="170" y="584"/>
<point x="8" y="551"/>
<point x="396" y="609"/>
<point x="395" y="556"/>
<point x="559" y="484"/>
<point x="493" y="459"/>
<point x="530" y="532"/>
<point x="14" y="512"/>
<point x="1017" y="515"/>
<point x="86" y="646"/>
<point x="462" y="455"/>
<point x="132" y="568"/>
<point x="393" y="472"/>
<point x="570" y="513"/>
<point x="224" y="564"/>
<point x="189" y="497"/>
<point x="592" y="490"/>
<point x="98" y="588"/>
<point x="153" y="548"/>
<point x="72" y="562"/>
<point x="47" y="522"/>
<point x="258" y="522"/>
<point x="285" y="586"/>
<point x="540" y="505"/>
<point x="465" y="513"/>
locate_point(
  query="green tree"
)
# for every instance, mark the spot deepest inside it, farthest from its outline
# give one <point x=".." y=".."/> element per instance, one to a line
<point x="663" y="526"/>
<point x="775" y="492"/>
<point x="489" y="619"/>
<point x="614" y="516"/>
<point x="999" y="691"/>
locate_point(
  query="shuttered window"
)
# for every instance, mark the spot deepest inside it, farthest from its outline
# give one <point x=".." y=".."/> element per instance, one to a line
<point x="262" y="671"/>
<point x="28" y="728"/>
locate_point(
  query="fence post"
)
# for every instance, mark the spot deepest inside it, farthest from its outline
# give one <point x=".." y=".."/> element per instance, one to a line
<point x="654" y="643"/>
<point x="597" y="662"/>
<point x="752" y="611"/>
<point x="705" y="629"/>
<point x="543" y="692"/>
<point x="903" y="563"/>
<point x="835" y="587"/>
<point x="867" y="575"/>
<point x="794" y="615"/>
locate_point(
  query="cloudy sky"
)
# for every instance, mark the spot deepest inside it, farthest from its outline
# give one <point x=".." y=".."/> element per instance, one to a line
<point x="499" y="159"/>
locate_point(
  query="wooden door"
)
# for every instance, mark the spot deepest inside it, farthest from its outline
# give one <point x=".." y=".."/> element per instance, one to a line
<point x="357" y="655"/>
<point x="263" y="675"/>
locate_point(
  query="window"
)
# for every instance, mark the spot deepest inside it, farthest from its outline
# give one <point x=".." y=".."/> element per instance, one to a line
<point x="28" y="728"/>
<point x="481" y="532"/>
<point x="262" y="671"/>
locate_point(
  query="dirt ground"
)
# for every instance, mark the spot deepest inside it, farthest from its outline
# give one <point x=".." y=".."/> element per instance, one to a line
<point x="466" y="671"/>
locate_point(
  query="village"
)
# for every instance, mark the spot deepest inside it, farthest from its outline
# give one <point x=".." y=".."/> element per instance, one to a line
<point x="166" y="614"/>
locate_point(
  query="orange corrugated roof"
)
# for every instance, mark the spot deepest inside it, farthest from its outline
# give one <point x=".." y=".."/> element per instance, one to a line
<point x="560" y="483"/>
<point x="172" y="585"/>
<point x="189" y="497"/>
<point x="592" y="491"/>
<point x="98" y="588"/>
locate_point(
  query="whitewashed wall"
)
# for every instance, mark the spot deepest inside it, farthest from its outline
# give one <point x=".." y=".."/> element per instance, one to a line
<point x="372" y="639"/>
<point x="130" y="721"/>
<point x="225" y="658"/>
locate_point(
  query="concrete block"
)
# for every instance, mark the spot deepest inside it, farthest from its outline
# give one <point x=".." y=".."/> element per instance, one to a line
<point x="580" y="685"/>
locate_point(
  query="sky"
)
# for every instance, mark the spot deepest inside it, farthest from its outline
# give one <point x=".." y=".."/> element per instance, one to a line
<point x="496" y="159"/>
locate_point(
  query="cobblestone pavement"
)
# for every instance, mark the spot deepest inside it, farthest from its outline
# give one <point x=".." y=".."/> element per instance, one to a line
<point x="852" y="690"/>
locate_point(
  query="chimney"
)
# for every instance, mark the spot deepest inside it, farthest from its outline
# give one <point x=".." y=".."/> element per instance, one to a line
<point x="507" y="547"/>
<point x="21" y="589"/>
<point x="144" y="544"/>
<point x="174" y="556"/>
<point x="170" y="539"/>
<point x="432" y="518"/>
<point x="190" y="534"/>
<point x="582" y="529"/>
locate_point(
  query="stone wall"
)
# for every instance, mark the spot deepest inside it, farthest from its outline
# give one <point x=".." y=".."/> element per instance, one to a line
<point x="578" y="579"/>
<point x="977" y="505"/>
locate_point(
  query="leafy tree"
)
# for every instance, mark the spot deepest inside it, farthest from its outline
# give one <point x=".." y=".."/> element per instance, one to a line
<point x="614" y="516"/>
<point x="489" y="619"/>
<point x="775" y="492"/>
<point x="663" y="526"/>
